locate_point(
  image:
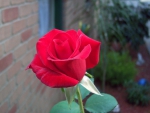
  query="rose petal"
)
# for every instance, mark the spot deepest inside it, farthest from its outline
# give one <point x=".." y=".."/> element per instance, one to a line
<point x="49" y="77"/>
<point x="76" y="50"/>
<point x="51" y="51"/>
<point x="68" y="48"/>
<point x="73" y="68"/>
<point x="43" y="55"/>
<point x="93" y="58"/>
<point x="84" y="53"/>
<point x="43" y="44"/>
<point x="81" y="55"/>
<point x="62" y="49"/>
<point x="73" y="34"/>
<point x="49" y="36"/>
<point x="56" y="69"/>
<point x="55" y="81"/>
<point x="64" y="36"/>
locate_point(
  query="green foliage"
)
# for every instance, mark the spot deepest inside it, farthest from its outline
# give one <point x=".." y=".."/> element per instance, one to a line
<point x="84" y="27"/>
<point x="145" y="10"/>
<point x="94" y="104"/>
<point x="137" y="94"/>
<point x="84" y="91"/>
<point x="122" y="23"/>
<point x="70" y="93"/>
<point x="63" y="107"/>
<point x="100" y="104"/>
<point x="120" y="68"/>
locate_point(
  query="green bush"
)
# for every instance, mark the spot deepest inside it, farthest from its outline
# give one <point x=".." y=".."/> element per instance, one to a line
<point x="137" y="94"/>
<point x="119" y="68"/>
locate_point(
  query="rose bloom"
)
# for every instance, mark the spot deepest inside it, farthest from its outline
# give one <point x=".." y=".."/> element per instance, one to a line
<point x="63" y="57"/>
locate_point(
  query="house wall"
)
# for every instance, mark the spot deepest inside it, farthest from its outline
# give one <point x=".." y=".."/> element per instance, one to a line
<point x="78" y="10"/>
<point x="20" y="90"/>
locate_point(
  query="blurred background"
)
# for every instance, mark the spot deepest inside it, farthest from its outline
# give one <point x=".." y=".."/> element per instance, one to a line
<point x="123" y="27"/>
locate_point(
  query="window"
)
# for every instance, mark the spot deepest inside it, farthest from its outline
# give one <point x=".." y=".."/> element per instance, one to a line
<point x="46" y="16"/>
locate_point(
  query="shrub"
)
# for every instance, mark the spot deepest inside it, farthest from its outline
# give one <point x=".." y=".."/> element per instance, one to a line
<point x="137" y="94"/>
<point x="120" y="68"/>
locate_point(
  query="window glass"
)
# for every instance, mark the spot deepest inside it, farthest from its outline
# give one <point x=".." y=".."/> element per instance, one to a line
<point x="46" y="16"/>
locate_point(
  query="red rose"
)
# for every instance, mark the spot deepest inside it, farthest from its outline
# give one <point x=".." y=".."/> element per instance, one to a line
<point x="63" y="57"/>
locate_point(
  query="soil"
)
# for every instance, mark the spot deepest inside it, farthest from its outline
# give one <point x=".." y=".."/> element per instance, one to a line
<point x="120" y="93"/>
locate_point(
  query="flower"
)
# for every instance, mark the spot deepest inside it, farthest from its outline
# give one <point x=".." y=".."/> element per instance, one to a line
<point x="63" y="57"/>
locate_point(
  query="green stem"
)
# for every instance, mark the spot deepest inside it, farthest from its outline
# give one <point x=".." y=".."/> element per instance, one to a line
<point x="80" y="100"/>
<point x="89" y="75"/>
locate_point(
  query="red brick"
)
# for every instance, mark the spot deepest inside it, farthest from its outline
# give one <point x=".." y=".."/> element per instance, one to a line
<point x="49" y="92"/>
<point x="29" y="111"/>
<point x="34" y="51"/>
<point x="4" y="3"/>
<point x="5" y="32"/>
<point x="23" y="97"/>
<point x="29" y="0"/>
<point x="13" y="70"/>
<point x="26" y="35"/>
<point x="16" y="94"/>
<point x="35" y="7"/>
<point x="32" y="43"/>
<point x="1" y="51"/>
<point x="22" y="110"/>
<point x="21" y="77"/>
<point x="27" y="106"/>
<point x="12" y="43"/>
<point x="36" y="103"/>
<point x="2" y="79"/>
<point x="34" y="85"/>
<point x="32" y="19"/>
<point x="10" y="14"/>
<point x="17" y="1"/>
<point x="35" y="29"/>
<point x="20" y="51"/>
<point x="13" y="109"/>
<point x="39" y="87"/>
<point x="29" y="79"/>
<point x="25" y="10"/>
<point x="43" y="89"/>
<point x="47" y="108"/>
<point x="27" y="59"/>
<point x="5" y="62"/>
<point x="4" y="107"/>
<point x="6" y="91"/>
<point x="18" y="26"/>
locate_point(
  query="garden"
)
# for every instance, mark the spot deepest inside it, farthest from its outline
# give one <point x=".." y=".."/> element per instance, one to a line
<point x="116" y="60"/>
<point x="123" y="70"/>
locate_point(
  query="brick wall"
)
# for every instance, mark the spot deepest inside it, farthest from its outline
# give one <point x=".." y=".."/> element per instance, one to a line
<point x="77" y="10"/>
<point x="20" y="90"/>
